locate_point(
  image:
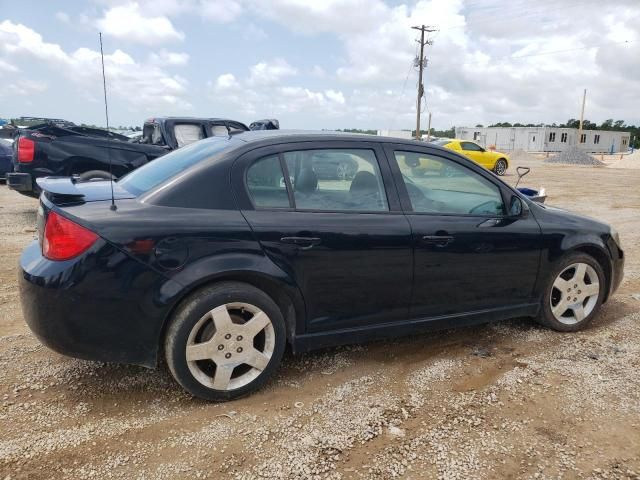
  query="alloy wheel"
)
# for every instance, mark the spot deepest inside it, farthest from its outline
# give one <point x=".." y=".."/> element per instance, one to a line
<point x="501" y="167"/>
<point x="574" y="293"/>
<point x="230" y="346"/>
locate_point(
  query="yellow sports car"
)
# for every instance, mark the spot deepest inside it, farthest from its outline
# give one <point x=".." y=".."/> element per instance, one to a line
<point x="496" y="161"/>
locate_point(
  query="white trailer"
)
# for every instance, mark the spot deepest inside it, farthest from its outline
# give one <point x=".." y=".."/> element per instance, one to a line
<point x="546" y="139"/>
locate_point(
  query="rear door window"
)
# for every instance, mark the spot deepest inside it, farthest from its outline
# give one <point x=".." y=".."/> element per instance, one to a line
<point x="336" y="180"/>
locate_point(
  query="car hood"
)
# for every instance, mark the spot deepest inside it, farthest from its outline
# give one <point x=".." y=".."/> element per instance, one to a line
<point x="568" y="218"/>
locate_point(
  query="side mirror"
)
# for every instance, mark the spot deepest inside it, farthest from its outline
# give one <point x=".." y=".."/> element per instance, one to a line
<point x="518" y="208"/>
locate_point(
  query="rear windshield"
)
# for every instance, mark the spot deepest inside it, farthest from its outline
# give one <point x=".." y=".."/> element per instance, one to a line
<point x="162" y="169"/>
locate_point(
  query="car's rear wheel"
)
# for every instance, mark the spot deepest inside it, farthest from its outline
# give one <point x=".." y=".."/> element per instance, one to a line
<point x="225" y="341"/>
<point x="500" y="168"/>
<point x="575" y="291"/>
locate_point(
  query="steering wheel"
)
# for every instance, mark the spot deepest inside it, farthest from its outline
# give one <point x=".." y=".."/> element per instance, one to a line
<point x="483" y="206"/>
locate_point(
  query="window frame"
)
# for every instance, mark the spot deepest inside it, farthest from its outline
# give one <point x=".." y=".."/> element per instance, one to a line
<point x="460" y="161"/>
<point x="245" y="161"/>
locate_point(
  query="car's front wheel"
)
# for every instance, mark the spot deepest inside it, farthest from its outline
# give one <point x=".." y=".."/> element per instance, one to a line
<point x="500" y="168"/>
<point x="574" y="293"/>
<point x="225" y="341"/>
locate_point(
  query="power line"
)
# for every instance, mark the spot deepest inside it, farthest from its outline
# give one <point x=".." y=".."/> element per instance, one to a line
<point x="552" y="52"/>
<point x="526" y="13"/>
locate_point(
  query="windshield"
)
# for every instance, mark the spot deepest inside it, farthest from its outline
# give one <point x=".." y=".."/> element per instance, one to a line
<point x="441" y="142"/>
<point x="162" y="169"/>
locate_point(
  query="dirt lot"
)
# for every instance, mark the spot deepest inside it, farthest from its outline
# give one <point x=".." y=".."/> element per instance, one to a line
<point x="508" y="400"/>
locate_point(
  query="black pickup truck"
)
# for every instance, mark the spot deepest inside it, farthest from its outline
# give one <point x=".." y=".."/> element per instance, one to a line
<point x="59" y="148"/>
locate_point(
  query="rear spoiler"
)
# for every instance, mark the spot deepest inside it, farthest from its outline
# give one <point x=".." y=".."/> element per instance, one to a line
<point x="60" y="190"/>
<point x="70" y="191"/>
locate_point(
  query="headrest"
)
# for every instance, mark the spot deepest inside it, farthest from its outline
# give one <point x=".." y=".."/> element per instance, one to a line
<point x="364" y="182"/>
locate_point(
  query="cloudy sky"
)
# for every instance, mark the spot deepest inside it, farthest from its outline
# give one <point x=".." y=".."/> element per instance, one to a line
<point x="321" y="64"/>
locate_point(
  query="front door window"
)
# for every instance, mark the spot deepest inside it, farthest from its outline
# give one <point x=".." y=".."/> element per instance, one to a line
<point x="439" y="186"/>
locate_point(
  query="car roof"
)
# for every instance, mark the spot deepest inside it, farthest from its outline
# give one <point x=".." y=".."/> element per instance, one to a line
<point x="282" y="136"/>
<point x="187" y="119"/>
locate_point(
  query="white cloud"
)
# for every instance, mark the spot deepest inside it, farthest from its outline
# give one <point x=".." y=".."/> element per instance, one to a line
<point x="337" y="97"/>
<point x="270" y="72"/>
<point x="166" y="58"/>
<point x="141" y="85"/>
<point x="226" y="81"/>
<point x="23" y="87"/>
<point x="273" y="99"/>
<point x="309" y="17"/>
<point x="221" y="11"/>
<point x="63" y="17"/>
<point x="7" y="67"/>
<point x="126" y="22"/>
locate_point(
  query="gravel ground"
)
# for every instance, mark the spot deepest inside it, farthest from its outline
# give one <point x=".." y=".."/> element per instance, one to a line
<point x="504" y="400"/>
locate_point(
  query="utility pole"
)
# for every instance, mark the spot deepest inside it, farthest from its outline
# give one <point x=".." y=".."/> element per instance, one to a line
<point x="584" y="99"/>
<point x="421" y="63"/>
<point x="429" y="128"/>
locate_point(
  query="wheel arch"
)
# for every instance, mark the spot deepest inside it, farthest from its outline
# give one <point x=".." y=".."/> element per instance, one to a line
<point x="603" y="259"/>
<point x="78" y="164"/>
<point x="286" y="296"/>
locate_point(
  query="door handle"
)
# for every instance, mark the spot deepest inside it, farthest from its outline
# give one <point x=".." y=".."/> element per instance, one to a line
<point x="305" y="243"/>
<point x="437" y="240"/>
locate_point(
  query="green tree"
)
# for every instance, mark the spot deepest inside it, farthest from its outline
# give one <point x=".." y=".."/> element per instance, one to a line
<point x="607" y="124"/>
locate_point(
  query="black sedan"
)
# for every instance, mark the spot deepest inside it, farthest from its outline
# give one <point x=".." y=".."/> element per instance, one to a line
<point x="220" y="254"/>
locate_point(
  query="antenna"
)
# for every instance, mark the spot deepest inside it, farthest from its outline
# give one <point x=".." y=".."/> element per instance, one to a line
<point x="106" y="114"/>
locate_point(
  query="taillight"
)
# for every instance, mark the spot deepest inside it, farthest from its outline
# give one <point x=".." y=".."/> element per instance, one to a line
<point x="64" y="239"/>
<point x="26" y="150"/>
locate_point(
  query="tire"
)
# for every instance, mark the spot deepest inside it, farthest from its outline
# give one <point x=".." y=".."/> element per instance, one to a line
<point x="196" y="322"/>
<point x="500" y="168"/>
<point x="566" y="291"/>
<point x="95" y="175"/>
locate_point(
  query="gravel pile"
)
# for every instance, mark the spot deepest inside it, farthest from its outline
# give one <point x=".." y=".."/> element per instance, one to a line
<point x="574" y="156"/>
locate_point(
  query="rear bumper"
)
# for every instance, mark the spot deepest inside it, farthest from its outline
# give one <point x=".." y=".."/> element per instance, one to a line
<point x="21" y="182"/>
<point x="102" y="306"/>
